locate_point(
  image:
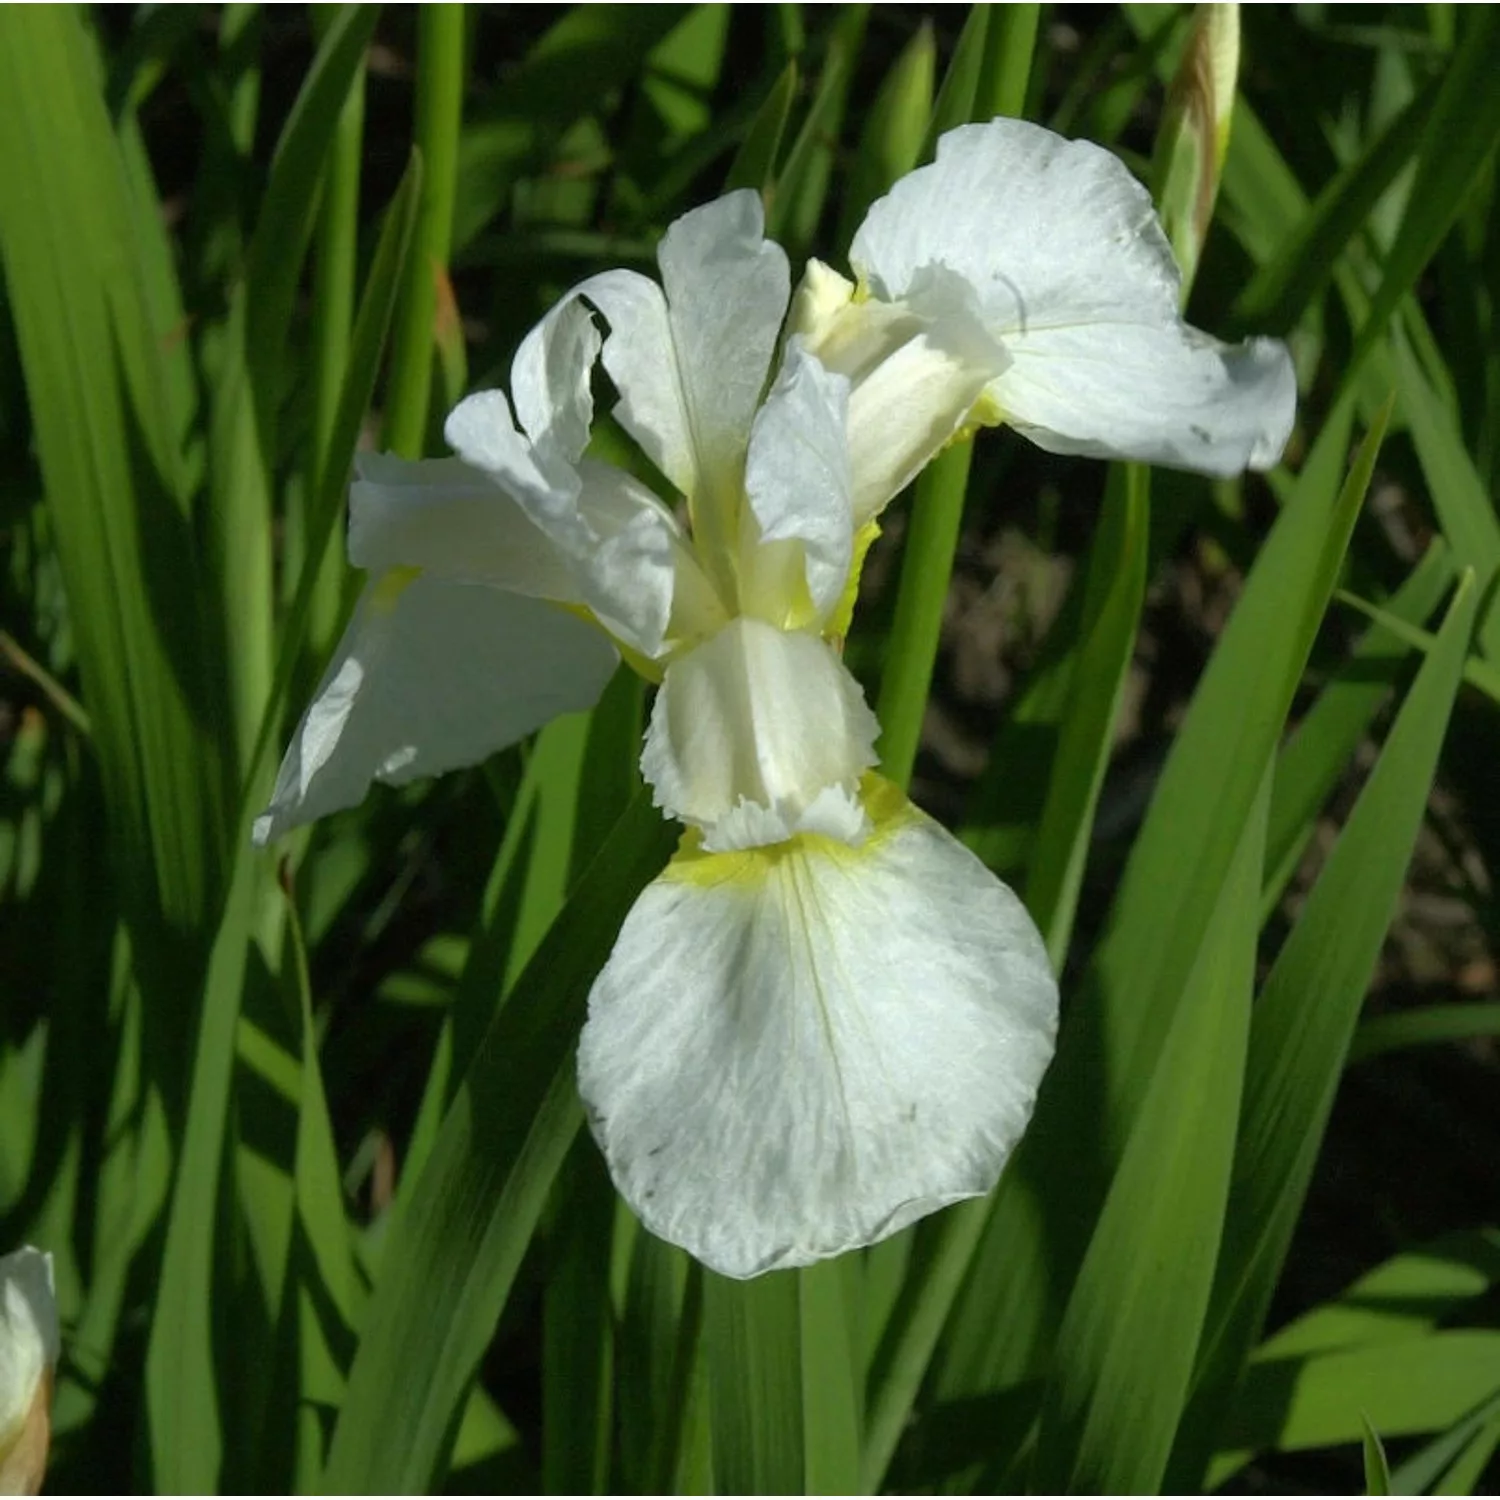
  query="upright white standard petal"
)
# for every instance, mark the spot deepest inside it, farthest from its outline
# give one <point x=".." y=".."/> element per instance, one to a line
<point x="550" y="382"/>
<point x="641" y="361"/>
<point x="797" y="1051"/>
<point x="431" y="675"/>
<point x="1074" y="277"/>
<point x="29" y="1347"/>
<point x="757" y="734"/>
<point x="727" y="288"/>
<point x="536" y="462"/>
<point x="689" y="358"/>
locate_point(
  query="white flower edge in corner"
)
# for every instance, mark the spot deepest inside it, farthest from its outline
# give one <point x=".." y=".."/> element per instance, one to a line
<point x="1045" y="257"/>
<point x="794" y="1051"/>
<point x="29" y="1347"/>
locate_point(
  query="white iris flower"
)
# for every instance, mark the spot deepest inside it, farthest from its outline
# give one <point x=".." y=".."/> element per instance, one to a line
<point x="1032" y="272"/>
<point x="28" y="1355"/>
<point x="826" y="1018"/>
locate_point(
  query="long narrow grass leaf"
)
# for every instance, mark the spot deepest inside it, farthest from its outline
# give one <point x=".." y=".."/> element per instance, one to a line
<point x="830" y="1378"/>
<point x="752" y="1337"/>
<point x="440" y="51"/>
<point x="1113" y="596"/>
<point x="1427" y="1471"/>
<point x="1415" y="1386"/>
<point x="1123" y="1359"/>
<point x="754" y="164"/>
<point x="1411" y="1293"/>
<point x="1304" y="1021"/>
<point x="1426" y="1026"/>
<point x="1283" y="286"/>
<point x="1010" y="42"/>
<point x="1464" y="508"/>
<point x="1114" y="1033"/>
<point x="1377" y="1469"/>
<point x="1318" y="752"/>
<point x="181" y="1388"/>
<point x="1460" y="137"/>
<point x="370" y="327"/>
<point x="113" y="474"/>
<point x="450" y="1265"/>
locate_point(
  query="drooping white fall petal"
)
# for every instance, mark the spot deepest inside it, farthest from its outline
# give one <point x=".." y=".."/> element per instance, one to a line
<point x="29" y="1346"/>
<point x="452" y="521"/>
<point x="446" y="518"/>
<point x="431" y="675"/>
<point x="796" y="1051"/>
<point x="1074" y="278"/>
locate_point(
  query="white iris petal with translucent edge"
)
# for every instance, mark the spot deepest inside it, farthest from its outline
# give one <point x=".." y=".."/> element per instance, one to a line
<point x="29" y="1340"/>
<point x="432" y="675"/>
<point x="793" y="1052"/>
<point x="1073" y="278"/>
<point x="761" y="718"/>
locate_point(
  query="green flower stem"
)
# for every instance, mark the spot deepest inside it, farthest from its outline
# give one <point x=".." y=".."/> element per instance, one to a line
<point x="335" y="256"/>
<point x="440" y="82"/>
<point x="937" y="509"/>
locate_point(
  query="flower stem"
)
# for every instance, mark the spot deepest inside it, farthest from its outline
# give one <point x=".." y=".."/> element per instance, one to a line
<point x="440" y="82"/>
<point x="936" y="511"/>
<point x="334" y="258"/>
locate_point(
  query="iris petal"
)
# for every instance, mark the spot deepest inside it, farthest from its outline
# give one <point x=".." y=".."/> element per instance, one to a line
<point x="796" y="1051"/>
<point x="431" y="675"/>
<point x="761" y="717"/>
<point x="29" y="1340"/>
<point x="1072" y="274"/>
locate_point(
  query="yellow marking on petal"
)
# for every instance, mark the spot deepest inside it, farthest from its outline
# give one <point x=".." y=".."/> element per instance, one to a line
<point x="642" y="666"/>
<point x="390" y="586"/>
<point x="886" y="804"/>
<point x="985" y="412"/>
<point x="837" y="626"/>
